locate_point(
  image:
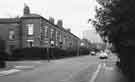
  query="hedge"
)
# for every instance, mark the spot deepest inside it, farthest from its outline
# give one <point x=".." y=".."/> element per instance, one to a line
<point x="41" y="53"/>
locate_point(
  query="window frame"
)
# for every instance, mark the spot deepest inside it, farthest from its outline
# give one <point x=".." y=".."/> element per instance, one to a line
<point x="46" y="31"/>
<point x="13" y="36"/>
<point x="30" y="29"/>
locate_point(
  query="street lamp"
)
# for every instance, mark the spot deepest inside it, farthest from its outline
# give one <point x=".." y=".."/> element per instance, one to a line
<point x="78" y="49"/>
<point x="52" y="43"/>
<point x="48" y="53"/>
<point x="82" y="44"/>
<point x="52" y="46"/>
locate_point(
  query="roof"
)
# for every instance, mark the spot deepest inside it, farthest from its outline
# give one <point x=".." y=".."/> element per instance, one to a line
<point x="39" y="16"/>
<point x="33" y="15"/>
<point x="62" y="28"/>
<point x="9" y="20"/>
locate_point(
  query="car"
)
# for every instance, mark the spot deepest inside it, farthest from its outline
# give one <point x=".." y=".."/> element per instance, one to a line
<point x="103" y="55"/>
<point x="93" y="53"/>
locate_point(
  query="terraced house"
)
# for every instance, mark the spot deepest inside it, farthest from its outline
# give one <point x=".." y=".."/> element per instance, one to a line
<point x="33" y="30"/>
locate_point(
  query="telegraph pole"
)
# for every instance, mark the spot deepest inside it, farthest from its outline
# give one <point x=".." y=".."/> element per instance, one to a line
<point x="52" y="47"/>
<point x="48" y="54"/>
<point x="78" y="47"/>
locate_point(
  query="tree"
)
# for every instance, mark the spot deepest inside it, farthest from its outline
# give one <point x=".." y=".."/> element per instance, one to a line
<point x="3" y="55"/>
<point x="103" y="18"/>
<point x="115" y="19"/>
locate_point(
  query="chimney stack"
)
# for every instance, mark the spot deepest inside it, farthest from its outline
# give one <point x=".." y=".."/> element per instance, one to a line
<point x="51" y="19"/>
<point x="60" y="23"/>
<point x="26" y="9"/>
<point x="68" y="29"/>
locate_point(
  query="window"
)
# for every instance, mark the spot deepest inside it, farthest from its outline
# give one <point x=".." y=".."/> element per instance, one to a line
<point x="30" y="43"/>
<point x="46" y="32"/>
<point x="64" y="40"/>
<point x="30" y="29"/>
<point x="56" y="36"/>
<point x="60" y="37"/>
<point x="52" y="31"/>
<point x="41" y="34"/>
<point x="11" y="34"/>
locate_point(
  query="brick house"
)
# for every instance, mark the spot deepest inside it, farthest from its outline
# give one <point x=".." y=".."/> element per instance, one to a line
<point x="33" y="30"/>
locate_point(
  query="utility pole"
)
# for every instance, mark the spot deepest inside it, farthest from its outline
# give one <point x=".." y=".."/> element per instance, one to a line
<point x="52" y="47"/>
<point x="78" y="47"/>
<point x="48" y="54"/>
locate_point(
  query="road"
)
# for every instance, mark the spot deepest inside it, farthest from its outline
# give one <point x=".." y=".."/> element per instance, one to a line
<point x="78" y="69"/>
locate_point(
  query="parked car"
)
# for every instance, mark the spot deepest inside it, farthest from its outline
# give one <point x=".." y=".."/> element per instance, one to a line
<point x="93" y="53"/>
<point x="103" y="55"/>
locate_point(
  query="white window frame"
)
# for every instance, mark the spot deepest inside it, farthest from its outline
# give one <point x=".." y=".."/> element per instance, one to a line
<point x="60" y="37"/>
<point x="11" y="34"/>
<point x="56" y="35"/>
<point x="52" y="31"/>
<point x="30" y="28"/>
<point x="46" y="31"/>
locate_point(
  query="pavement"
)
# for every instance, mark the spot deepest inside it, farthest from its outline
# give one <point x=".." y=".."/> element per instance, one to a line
<point x="13" y="67"/>
<point x="110" y="73"/>
<point x="77" y="69"/>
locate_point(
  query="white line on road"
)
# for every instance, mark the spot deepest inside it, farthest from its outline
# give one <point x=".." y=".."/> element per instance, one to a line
<point x="23" y="67"/>
<point x="3" y="73"/>
<point x="104" y="65"/>
<point x="96" y="73"/>
<point x="107" y="68"/>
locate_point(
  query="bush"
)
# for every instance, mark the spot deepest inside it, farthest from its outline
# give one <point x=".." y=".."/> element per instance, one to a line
<point x="127" y="59"/>
<point x="84" y="51"/>
<point x="41" y="53"/>
<point x="29" y="53"/>
<point x="2" y="64"/>
<point x="58" y="53"/>
<point x="3" y="58"/>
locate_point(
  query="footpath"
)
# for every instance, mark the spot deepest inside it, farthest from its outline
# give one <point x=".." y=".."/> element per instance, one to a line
<point x="13" y="67"/>
<point x="110" y="72"/>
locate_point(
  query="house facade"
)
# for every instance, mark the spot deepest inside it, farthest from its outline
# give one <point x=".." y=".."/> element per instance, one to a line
<point x="33" y="30"/>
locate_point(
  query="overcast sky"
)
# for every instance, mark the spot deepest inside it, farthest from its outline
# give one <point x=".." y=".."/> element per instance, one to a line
<point x="74" y="13"/>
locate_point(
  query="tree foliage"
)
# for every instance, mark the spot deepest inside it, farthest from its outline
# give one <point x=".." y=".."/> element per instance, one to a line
<point x="114" y="19"/>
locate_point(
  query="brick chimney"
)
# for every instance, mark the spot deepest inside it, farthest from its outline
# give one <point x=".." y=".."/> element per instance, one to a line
<point x="60" y="23"/>
<point x="68" y="29"/>
<point x="51" y="19"/>
<point x="26" y="9"/>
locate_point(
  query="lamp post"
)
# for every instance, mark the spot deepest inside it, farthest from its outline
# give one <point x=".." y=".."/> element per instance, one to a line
<point x="78" y="49"/>
<point x="82" y="44"/>
<point x="48" y="53"/>
<point x="52" y="45"/>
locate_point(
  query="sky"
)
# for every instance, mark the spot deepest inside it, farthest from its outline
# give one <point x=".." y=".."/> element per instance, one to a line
<point x="74" y="13"/>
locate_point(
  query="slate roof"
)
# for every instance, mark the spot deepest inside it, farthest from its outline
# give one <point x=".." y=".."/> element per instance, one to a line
<point x="32" y="15"/>
<point x="9" y="20"/>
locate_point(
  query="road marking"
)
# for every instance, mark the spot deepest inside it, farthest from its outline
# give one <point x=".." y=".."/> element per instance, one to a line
<point x="67" y="79"/>
<point x="74" y="74"/>
<point x="7" y="72"/>
<point x="96" y="73"/>
<point x="104" y="65"/>
<point x="107" y="68"/>
<point x="23" y="67"/>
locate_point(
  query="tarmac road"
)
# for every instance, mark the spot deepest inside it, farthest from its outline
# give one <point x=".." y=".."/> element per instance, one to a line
<point x="77" y="69"/>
